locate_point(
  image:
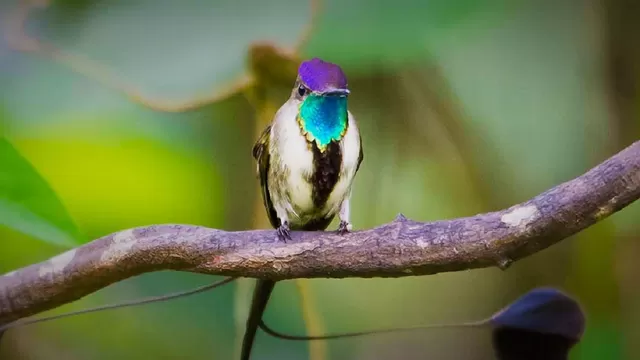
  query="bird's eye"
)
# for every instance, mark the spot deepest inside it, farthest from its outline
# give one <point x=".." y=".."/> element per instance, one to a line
<point x="302" y="90"/>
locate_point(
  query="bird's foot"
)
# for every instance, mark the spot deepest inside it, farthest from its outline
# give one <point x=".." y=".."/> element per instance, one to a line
<point x="283" y="232"/>
<point x="344" y="227"/>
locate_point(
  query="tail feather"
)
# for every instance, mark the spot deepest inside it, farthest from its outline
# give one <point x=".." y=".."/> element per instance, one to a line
<point x="261" y="296"/>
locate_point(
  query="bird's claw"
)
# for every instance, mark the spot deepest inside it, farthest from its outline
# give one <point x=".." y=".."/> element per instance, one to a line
<point x="283" y="232"/>
<point x="344" y="227"/>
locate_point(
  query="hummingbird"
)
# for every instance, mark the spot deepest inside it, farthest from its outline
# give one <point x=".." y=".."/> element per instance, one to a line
<point x="307" y="159"/>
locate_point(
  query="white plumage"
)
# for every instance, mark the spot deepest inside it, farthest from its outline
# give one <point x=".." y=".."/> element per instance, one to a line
<point x="292" y="165"/>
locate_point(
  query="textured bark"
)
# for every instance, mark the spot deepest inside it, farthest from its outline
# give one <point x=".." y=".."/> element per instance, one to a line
<point x="400" y="248"/>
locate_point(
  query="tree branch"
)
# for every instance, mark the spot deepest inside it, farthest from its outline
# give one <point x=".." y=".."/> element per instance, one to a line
<point x="400" y="248"/>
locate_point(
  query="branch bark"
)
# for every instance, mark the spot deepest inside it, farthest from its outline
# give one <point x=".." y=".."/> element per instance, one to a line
<point x="400" y="248"/>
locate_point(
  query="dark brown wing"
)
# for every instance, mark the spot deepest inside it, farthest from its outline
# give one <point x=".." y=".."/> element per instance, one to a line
<point x="261" y="154"/>
<point x="361" y="155"/>
<point x="262" y="144"/>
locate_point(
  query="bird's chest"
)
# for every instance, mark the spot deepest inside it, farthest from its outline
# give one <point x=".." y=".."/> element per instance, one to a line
<point x="308" y="183"/>
<point x="292" y="172"/>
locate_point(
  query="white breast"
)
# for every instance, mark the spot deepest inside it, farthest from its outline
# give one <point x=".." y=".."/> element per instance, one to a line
<point x="295" y="159"/>
<point x="295" y="164"/>
<point x="350" y="145"/>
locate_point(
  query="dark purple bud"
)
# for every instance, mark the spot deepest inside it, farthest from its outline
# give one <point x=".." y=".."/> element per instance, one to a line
<point x="542" y="324"/>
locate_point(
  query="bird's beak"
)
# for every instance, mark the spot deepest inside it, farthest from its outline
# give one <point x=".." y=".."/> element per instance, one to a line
<point x="338" y="92"/>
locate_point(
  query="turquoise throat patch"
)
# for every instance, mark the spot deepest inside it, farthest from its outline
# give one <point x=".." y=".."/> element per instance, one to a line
<point x="324" y="118"/>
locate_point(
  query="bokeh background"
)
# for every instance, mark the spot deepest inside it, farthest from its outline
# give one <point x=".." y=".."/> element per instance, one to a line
<point x="464" y="107"/>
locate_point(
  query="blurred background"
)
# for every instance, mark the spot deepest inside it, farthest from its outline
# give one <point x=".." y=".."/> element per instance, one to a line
<point x="115" y="114"/>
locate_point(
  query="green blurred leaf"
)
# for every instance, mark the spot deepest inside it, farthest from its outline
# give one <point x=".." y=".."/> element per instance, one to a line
<point x="602" y="340"/>
<point x="28" y="204"/>
<point x="364" y="34"/>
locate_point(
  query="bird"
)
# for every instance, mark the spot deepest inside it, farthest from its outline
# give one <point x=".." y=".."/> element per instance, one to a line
<point x="307" y="160"/>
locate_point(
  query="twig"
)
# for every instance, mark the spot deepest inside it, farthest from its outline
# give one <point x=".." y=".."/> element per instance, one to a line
<point x="131" y="303"/>
<point x="313" y="323"/>
<point x="400" y="248"/>
<point x="315" y="11"/>
<point x="18" y="39"/>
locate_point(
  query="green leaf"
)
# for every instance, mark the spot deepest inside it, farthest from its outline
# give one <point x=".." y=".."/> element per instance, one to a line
<point x="366" y="34"/>
<point x="28" y="204"/>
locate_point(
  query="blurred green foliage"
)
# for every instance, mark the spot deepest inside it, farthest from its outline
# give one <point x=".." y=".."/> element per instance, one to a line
<point x="28" y="204"/>
<point x="463" y="106"/>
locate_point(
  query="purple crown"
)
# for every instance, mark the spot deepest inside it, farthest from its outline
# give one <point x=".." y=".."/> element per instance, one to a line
<point x="322" y="76"/>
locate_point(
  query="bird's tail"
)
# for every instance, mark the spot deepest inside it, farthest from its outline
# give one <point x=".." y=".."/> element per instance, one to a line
<point x="261" y="295"/>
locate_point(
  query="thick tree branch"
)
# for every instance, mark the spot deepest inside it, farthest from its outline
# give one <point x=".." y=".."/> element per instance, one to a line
<point x="400" y="248"/>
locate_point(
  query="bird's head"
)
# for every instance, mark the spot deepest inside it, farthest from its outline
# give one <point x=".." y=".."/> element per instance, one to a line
<point x="321" y="92"/>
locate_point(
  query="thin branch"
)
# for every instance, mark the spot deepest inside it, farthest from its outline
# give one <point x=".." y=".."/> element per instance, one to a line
<point x="315" y="9"/>
<point x="312" y="318"/>
<point x="18" y="39"/>
<point x="400" y="248"/>
<point x="131" y="303"/>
